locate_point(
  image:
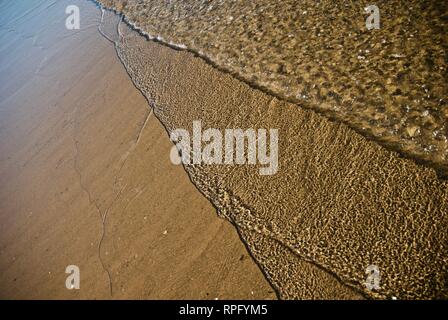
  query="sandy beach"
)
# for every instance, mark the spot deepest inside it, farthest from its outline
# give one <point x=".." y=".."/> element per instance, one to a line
<point x="87" y="179"/>
<point x="78" y="141"/>
<point x="389" y="84"/>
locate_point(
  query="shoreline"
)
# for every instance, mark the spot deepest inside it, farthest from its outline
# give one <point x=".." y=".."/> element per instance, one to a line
<point x="332" y="162"/>
<point x="87" y="181"/>
<point x="348" y="163"/>
<point x="441" y="169"/>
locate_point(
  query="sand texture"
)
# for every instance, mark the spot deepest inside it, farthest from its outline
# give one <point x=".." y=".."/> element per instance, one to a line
<point x="389" y="84"/>
<point x="338" y="200"/>
<point x="85" y="177"/>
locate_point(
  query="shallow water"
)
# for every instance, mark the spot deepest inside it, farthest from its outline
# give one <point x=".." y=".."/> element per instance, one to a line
<point x="390" y="84"/>
<point x="338" y="201"/>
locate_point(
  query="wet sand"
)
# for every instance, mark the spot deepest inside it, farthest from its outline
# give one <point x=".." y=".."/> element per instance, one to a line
<point x="390" y="84"/>
<point x="338" y="201"/>
<point x="85" y="177"/>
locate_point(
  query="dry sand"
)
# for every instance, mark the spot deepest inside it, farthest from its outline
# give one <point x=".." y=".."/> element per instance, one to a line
<point x="75" y="146"/>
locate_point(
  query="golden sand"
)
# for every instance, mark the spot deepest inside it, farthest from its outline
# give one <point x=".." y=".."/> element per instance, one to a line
<point x="85" y="179"/>
<point x="338" y="200"/>
<point x="70" y="119"/>
<point x="390" y="83"/>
